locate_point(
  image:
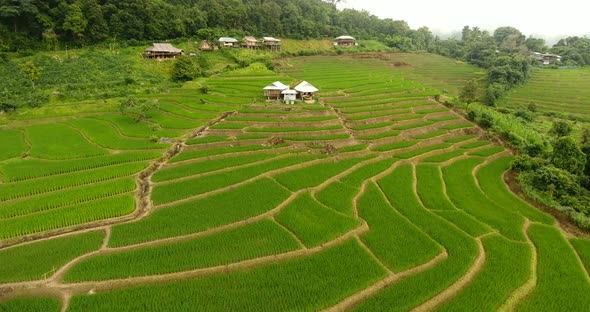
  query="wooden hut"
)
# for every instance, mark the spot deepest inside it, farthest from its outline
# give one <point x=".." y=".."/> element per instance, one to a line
<point x="205" y="46"/>
<point x="306" y="90"/>
<point x="228" y="42"/>
<point x="273" y="90"/>
<point x="345" y="41"/>
<point x="272" y="44"/>
<point x="162" y="51"/>
<point x="250" y="42"/>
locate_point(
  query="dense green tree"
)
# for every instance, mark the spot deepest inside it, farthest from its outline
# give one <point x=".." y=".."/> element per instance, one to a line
<point x="75" y="21"/>
<point x="568" y="156"/>
<point x="185" y="68"/>
<point x="536" y="44"/>
<point x="561" y="129"/>
<point x="469" y="91"/>
<point x="137" y="108"/>
<point x="14" y="9"/>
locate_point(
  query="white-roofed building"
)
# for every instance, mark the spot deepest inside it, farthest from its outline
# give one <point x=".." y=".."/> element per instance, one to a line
<point x="228" y="42"/>
<point x="306" y="90"/>
<point x="345" y="41"/>
<point x="273" y="90"/>
<point x="289" y="96"/>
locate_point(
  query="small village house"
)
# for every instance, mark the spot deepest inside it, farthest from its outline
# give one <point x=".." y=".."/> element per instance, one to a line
<point x="345" y="41"/>
<point x="306" y="91"/>
<point x="272" y="44"/>
<point x="228" y="42"/>
<point x="250" y="42"/>
<point x="273" y="90"/>
<point x="162" y="51"/>
<point x="205" y="46"/>
<point x="546" y="58"/>
<point x="289" y="96"/>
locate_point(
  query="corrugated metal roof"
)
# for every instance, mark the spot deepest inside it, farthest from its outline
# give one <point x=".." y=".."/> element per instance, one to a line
<point x="289" y="91"/>
<point x="345" y="38"/>
<point x="270" y="39"/>
<point x="163" y="47"/>
<point x="228" y="39"/>
<point x="277" y="85"/>
<point x="306" y="87"/>
<point x="250" y="39"/>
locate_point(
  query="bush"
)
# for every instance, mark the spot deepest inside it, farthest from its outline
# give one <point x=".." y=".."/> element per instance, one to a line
<point x="185" y="68"/>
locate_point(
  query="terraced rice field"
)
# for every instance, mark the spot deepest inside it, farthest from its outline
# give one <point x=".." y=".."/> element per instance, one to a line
<point x="374" y="198"/>
<point x="558" y="90"/>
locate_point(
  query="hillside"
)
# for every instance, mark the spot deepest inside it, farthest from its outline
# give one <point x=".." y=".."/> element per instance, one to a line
<point x="374" y="197"/>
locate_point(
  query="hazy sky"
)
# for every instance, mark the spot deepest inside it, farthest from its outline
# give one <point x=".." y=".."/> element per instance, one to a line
<point x="542" y="17"/>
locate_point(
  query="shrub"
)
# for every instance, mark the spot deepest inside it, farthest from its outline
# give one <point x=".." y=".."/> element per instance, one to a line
<point x="184" y="69"/>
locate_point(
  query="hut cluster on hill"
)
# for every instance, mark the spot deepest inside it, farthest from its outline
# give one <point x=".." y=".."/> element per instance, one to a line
<point x="248" y="42"/>
<point x="167" y="51"/>
<point x="279" y="91"/>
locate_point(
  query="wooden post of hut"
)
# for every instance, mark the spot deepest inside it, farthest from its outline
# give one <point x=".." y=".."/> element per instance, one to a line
<point x="251" y="43"/>
<point x="162" y="51"/>
<point x="345" y="41"/>
<point x="273" y="90"/>
<point x="271" y="44"/>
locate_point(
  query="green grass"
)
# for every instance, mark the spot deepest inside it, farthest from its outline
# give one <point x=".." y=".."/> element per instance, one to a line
<point x="507" y="267"/>
<point x="465" y="222"/>
<point x="58" y="141"/>
<point x="430" y="135"/>
<point x="9" y="191"/>
<point x="177" y="190"/>
<point x="207" y="139"/>
<point x="475" y="144"/>
<point x="322" y="279"/>
<point x="131" y="128"/>
<point x="13" y="143"/>
<point x="226" y="207"/>
<point x="431" y="188"/>
<point x="338" y="196"/>
<point x="486" y="152"/>
<point x="100" y="209"/>
<point x="204" y="166"/>
<point x="466" y="195"/>
<point x="393" y="239"/>
<point x="462" y="250"/>
<point x="460" y="138"/>
<point x="24" y="169"/>
<point x="31" y="304"/>
<point x="381" y="135"/>
<point x="394" y="146"/>
<point x="415" y="125"/>
<point x="251" y="241"/>
<point x="103" y="134"/>
<point x="53" y="200"/>
<point x="317" y="138"/>
<point x="353" y="148"/>
<point x="229" y="126"/>
<point x="553" y="90"/>
<point x="294" y="129"/>
<point x="582" y="247"/>
<point x="312" y="222"/>
<point x="314" y="175"/>
<point x="439" y="158"/>
<point x="197" y="153"/>
<point x="32" y="261"/>
<point x="372" y="126"/>
<point x="491" y="182"/>
<point x="457" y="126"/>
<point x="422" y="150"/>
<point x="562" y="283"/>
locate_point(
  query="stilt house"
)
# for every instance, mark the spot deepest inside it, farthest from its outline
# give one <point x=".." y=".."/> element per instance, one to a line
<point x="228" y="42"/>
<point x="162" y="51"/>
<point x="273" y="90"/>
<point x="271" y="44"/>
<point x="250" y="42"/>
<point x="345" y="41"/>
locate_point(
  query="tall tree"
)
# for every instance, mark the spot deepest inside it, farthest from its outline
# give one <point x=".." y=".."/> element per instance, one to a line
<point x="13" y="9"/>
<point x="75" y="21"/>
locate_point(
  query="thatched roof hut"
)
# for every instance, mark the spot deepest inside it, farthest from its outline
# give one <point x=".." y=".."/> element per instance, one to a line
<point x="205" y="46"/>
<point x="273" y="90"/>
<point x="272" y="44"/>
<point x="345" y="41"/>
<point x="162" y="51"/>
<point x="250" y="42"/>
